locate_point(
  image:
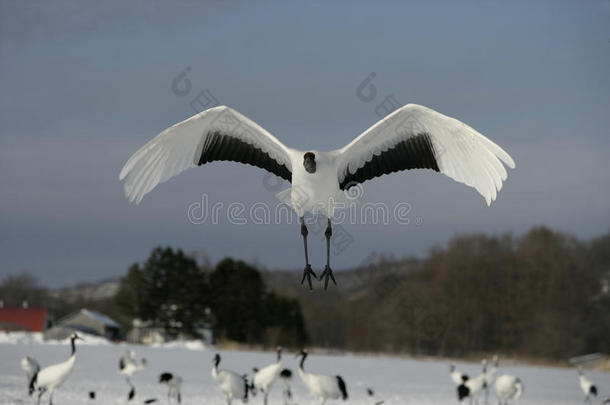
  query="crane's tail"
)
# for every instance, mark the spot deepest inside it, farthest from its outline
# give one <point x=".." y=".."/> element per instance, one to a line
<point x="342" y="387"/>
<point x="32" y="385"/>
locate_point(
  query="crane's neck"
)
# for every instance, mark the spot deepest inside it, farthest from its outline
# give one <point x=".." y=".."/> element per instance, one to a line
<point x="215" y="368"/>
<point x="302" y="364"/>
<point x="69" y="364"/>
<point x="73" y="353"/>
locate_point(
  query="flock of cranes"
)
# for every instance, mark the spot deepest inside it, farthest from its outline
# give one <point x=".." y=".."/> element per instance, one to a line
<point x="236" y="386"/>
<point x="507" y="387"/>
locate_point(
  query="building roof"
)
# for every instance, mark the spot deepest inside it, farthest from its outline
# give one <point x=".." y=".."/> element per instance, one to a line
<point x="29" y="319"/>
<point x="100" y="318"/>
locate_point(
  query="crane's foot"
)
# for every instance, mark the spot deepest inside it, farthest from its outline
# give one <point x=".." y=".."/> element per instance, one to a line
<point x="307" y="273"/>
<point x="326" y="275"/>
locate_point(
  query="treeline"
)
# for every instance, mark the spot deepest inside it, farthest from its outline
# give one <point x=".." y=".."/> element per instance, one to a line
<point x="174" y="292"/>
<point x="544" y="294"/>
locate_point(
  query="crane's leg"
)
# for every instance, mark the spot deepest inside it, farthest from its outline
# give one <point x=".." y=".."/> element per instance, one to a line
<point x="308" y="272"/>
<point x="40" y="393"/>
<point x="51" y="396"/>
<point x="265" y="398"/>
<point x="132" y="391"/>
<point x="328" y="273"/>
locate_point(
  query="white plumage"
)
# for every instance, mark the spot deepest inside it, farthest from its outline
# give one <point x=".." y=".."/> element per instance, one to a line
<point x="174" y="386"/>
<point x="128" y="364"/>
<point x="127" y="367"/>
<point x="322" y="386"/>
<point x="508" y="387"/>
<point x="490" y="375"/>
<point x="265" y="377"/>
<point x="412" y="137"/>
<point x="457" y="376"/>
<point x="286" y="378"/>
<point x="232" y="385"/>
<point x="52" y="377"/>
<point x="473" y="387"/>
<point x="587" y="387"/>
<point x="31" y="368"/>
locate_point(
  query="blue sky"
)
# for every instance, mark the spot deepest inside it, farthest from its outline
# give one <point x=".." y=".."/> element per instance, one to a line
<point x="84" y="84"/>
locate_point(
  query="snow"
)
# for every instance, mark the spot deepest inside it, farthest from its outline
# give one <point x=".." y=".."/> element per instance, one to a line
<point x="395" y="380"/>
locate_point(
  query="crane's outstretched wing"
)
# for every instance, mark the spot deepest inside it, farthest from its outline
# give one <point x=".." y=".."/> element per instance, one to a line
<point x="219" y="133"/>
<point x="417" y="137"/>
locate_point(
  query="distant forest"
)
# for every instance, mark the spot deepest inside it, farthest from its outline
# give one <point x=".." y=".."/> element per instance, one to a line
<point x="544" y="294"/>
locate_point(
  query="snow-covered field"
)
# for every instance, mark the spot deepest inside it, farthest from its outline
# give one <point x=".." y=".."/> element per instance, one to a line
<point x="394" y="380"/>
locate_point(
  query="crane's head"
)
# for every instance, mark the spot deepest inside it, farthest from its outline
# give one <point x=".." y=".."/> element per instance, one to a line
<point x="309" y="162"/>
<point x="74" y="337"/>
<point x="216" y="360"/>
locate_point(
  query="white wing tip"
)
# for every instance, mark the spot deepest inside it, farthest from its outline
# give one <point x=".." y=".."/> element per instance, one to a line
<point x="123" y="173"/>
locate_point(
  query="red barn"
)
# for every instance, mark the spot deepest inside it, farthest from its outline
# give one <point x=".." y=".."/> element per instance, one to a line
<point x="24" y="319"/>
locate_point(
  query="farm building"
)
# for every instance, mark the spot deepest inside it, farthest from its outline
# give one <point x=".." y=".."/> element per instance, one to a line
<point x="15" y="319"/>
<point x="86" y="321"/>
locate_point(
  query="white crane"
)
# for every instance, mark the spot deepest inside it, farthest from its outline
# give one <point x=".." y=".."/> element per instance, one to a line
<point x="412" y="137"/>
<point x="587" y="387"/>
<point x="322" y="386"/>
<point x="456" y="376"/>
<point x="489" y="377"/>
<point x="265" y="377"/>
<point x="508" y="387"/>
<point x="286" y="378"/>
<point x="174" y="385"/>
<point x="232" y="385"/>
<point x="52" y="377"/>
<point x="472" y="387"/>
<point x="127" y="367"/>
<point x="31" y="368"/>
